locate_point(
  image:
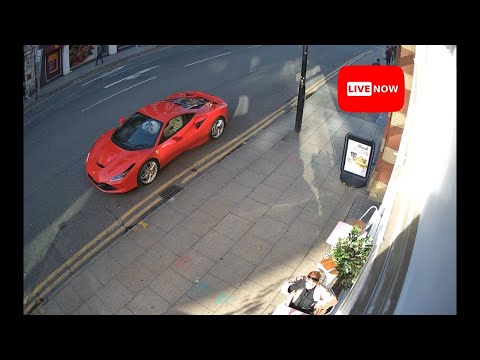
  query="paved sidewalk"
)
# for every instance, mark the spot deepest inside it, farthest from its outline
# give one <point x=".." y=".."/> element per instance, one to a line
<point x="86" y="70"/>
<point x="226" y="243"/>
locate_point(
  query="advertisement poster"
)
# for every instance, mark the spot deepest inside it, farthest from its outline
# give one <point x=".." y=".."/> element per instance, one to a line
<point x="52" y="65"/>
<point x="357" y="158"/>
<point x="80" y="54"/>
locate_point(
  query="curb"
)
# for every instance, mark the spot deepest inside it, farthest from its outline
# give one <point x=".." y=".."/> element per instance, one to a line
<point x="93" y="72"/>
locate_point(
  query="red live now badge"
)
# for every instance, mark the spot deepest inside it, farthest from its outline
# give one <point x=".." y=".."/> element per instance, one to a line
<point x="367" y="88"/>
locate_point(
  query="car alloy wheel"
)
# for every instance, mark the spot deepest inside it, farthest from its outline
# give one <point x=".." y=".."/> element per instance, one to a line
<point x="217" y="128"/>
<point x="148" y="172"/>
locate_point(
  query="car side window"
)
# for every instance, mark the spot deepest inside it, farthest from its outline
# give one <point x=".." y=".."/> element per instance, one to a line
<point x="175" y="125"/>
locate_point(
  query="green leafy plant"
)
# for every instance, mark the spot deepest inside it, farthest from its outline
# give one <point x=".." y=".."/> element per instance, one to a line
<point x="350" y="253"/>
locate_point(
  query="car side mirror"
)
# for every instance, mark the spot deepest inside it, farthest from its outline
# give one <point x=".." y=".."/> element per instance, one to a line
<point x="122" y="120"/>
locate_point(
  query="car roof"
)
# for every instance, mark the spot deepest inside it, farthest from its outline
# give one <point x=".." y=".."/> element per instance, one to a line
<point x="164" y="110"/>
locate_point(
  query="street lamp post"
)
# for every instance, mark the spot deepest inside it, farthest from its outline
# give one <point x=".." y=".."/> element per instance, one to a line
<point x="301" y="91"/>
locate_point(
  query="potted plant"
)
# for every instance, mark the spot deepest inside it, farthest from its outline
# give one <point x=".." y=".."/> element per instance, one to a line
<point x="350" y="253"/>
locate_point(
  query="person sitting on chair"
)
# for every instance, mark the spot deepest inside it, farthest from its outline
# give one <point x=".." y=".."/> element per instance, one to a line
<point x="306" y="294"/>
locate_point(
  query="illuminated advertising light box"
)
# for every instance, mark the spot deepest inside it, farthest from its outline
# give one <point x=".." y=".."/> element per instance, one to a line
<point x="357" y="160"/>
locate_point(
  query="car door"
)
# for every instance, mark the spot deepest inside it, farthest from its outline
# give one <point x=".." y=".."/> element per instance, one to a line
<point x="174" y="139"/>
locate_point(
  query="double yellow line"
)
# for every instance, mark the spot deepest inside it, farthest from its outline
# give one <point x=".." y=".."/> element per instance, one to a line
<point x="95" y="245"/>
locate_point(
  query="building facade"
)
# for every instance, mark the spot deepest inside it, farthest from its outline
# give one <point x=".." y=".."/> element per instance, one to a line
<point x="46" y="63"/>
<point x="380" y="178"/>
<point x="412" y="267"/>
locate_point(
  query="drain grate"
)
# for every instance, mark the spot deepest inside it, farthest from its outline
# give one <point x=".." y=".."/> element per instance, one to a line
<point x="170" y="192"/>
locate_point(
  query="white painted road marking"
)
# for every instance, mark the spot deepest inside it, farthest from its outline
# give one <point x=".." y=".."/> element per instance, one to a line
<point x="131" y="76"/>
<point x="195" y="47"/>
<point x="108" y="73"/>
<point x="254" y="46"/>
<point x="118" y="93"/>
<point x="213" y="57"/>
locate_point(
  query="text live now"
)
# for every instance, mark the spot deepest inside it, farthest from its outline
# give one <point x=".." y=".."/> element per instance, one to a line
<point x="366" y="88"/>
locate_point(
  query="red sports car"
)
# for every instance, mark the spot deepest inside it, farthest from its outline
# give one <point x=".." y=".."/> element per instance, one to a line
<point x="131" y="155"/>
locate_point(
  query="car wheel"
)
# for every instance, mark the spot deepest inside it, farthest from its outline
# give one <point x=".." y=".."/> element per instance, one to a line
<point x="148" y="172"/>
<point x="217" y="128"/>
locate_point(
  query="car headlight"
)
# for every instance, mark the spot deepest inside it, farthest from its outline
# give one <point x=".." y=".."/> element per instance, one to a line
<point x="88" y="155"/>
<point x="122" y="175"/>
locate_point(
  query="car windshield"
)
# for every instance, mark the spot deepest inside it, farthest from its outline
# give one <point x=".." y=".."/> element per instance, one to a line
<point x="137" y="132"/>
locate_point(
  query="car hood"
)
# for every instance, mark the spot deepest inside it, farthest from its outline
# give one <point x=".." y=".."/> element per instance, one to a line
<point x="110" y="158"/>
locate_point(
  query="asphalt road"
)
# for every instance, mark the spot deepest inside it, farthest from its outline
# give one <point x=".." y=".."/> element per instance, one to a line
<point x="62" y="210"/>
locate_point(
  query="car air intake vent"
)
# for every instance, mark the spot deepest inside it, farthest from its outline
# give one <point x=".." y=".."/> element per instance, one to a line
<point x="170" y="192"/>
<point x="190" y="102"/>
<point x="103" y="167"/>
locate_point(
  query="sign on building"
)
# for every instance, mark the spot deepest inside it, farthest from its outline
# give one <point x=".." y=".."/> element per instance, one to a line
<point x="357" y="160"/>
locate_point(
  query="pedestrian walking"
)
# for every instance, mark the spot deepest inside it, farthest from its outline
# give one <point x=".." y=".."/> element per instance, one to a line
<point x="99" y="54"/>
<point x="394" y="53"/>
<point x="388" y="55"/>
